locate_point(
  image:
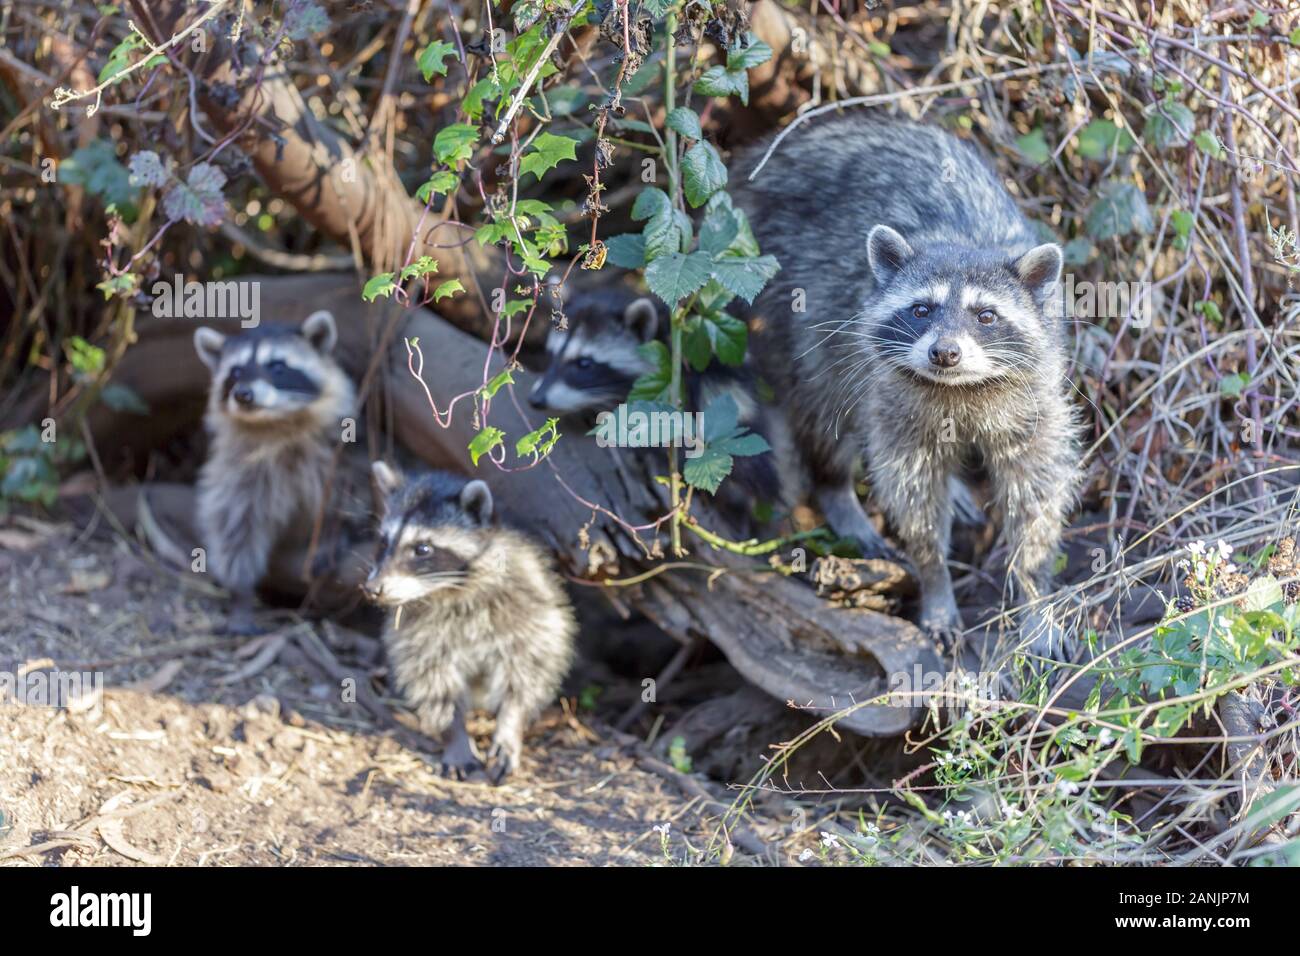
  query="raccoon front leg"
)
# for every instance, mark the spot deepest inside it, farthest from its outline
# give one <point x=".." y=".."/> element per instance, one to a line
<point x="1034" y="493"/>
<point x="239" y="547"/>
<point x="917" y="498"/>
<point x="460" y="758"/>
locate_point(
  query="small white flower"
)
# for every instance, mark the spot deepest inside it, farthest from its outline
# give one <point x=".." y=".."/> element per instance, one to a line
<point x="1011" y="812"/>
<point x="1197" y="548"/>
<point x="806" y="855"/>
<point x="662" y="828"/>
<point x="1066" y="787"/>
<point x="830" y="840"/>
<point x="1105" y="737"/>
<point x="1225" y="550"/>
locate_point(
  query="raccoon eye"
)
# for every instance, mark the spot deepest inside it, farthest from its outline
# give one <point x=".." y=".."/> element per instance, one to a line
<point x="422" y="550"/>
<point x="276" y="365"/>
<point x="920" y="310"/>
<point x="987" y="316"/>
<point x="584" y="362"/>
<point x="236" y="373"/>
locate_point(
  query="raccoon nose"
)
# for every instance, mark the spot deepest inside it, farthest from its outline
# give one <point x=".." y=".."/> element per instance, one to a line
<point x="945" y="353"/>
<point x="372" y="590"/>
<point x="537" y="398"/>
<point x="243" y="395"/>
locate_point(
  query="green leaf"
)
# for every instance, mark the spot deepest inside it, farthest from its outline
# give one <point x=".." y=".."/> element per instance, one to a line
<point x="626" y="250"/>
<point x="1210" y="309"/>
<point x="86" y="360"/>
<point x="540" y="441"/>
<point x="720" y="81"/>
<point x="125" y="284"/>
<point x="485" y="89"/>
<point x="442" y="183"/>
<point x="1101" y="137"/>
<point x="748" y="57"/>
<point x="1209" y="144"/>
<point x="95" y="166"/>
<point x="501" y="379"/>
<point x="448" y="288"/>
<point x="677" y="275"/>
<point x="381" y="284"/>
<point x="1120" y="209"/>
<point x="1233" y="385"/>
<point x="123" y="398"/>
<point x="548" y="152"/>
<point x="745" y="276"/>
<point x="707" y="470"/>
<point x="728" y="337"/>
<point x="420" y="267"/>
<point x="1295" y="37"/>
<point x="686" y="122"/>
<point x="663" y="234"/>
<point x="649" y="203"/>
<point x="455" y="143"/>
<point x="703" y="173"/>
<point x="1033" y="146"/>
<point x="432" y="59"/>
<point x="1170" y="126"/>
<point x="483" y="443"/>
<point x="653" y="386"/>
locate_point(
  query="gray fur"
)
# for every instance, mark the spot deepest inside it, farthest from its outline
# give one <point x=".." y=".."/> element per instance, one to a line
<point x="863" y="222"/>
<point x="264" y="480"/>
<point x="482" y="620"/>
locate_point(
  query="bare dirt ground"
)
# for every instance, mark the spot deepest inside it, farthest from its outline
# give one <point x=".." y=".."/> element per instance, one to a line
<point x="205" y="749"/>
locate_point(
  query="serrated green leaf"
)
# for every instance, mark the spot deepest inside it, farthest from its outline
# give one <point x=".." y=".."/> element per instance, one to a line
<point x="1209" y="144"/>
<point x="626" y="251"/>
<point x="455" y="143"/>
<point x="677" y="275"/>
<point x="727" y="335"/>
<point x="720" y="81"/>
<point x="1100" y="138"/>
<point x="483" y="443"/>
<point x="653" y="385"/>
<point x="745" y="276"/>
<point x="548" y="151"/>
<point x="1120" y="209"/>
<point x="649" y="203"/>
<point x="432" y="59"/>
<point x="441" y="183"/>
<point x="420" y="267"/>
<point x="707" y="469"/>
<point x="500" y="380"/>
<point x="703" y="173"/>
<point x="748" y="57"/>
<point x="448" y="288"/>
<point x="685" y="121"/>
<point x="540" y="441"/>
<point x="1170" y="126"/>
<point x="1233" y="385"/>
<point x="485" y="89"/>
<point x="380" y="285"/>
<point x="1033" y="146"/>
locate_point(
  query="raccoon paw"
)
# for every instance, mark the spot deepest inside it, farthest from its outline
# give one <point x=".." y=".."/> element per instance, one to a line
<point x="460" y="766"/>
<point x="948" y="637"/>
<point x="503" y="762"/>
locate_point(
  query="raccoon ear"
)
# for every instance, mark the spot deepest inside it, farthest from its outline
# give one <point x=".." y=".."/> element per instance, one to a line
<point x="208" y="343"/>
<point x="319" y="329"/>
<point x="887" y="252"/>
<point x="642" y="318"/>
<point x="1040" y="268"/>
<point x="476" y="499"/>
<point x="387" y="479"/>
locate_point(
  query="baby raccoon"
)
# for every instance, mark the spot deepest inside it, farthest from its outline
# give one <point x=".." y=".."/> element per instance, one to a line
<point x="931" y="339"/>
<point x="594" y="362"/>
<point x="274" y="410"/>
<point x="481" y="619"/>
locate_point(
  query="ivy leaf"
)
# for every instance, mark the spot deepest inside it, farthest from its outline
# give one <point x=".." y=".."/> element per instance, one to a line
<point x="539" y="441"/>
<point x="147" y="169"/>
<point x="653" y="385"/>
<point x="1033" y="146"/>
<point x="381" y="284"/>
<point x="432" y="59"/>
<point x="198" y="200"/>
<point x="420" y="267"/>
<point x="626" y="251"/>
<point x="499" y="381"/>
<point x="1170" y="126"/>
<point x="447" y="289"/>
<point x="1101" y="137"/>
<point x="548" y="152"/>
<point x="1120" y="209"/>
<point x="482" y="443"/>
<point x="125" y="284"/>
<point x="455" y="143"/>
<point x="685" y="121"/>
<point x="745" y="276"/>
<point x="484" y="89"/>
<point x="122" y="398"/>
<point x="1233" y="385"/>
<point x="675" y="276"/>
<point x="95" y="166"/>
<point x="441" y="183"/>
<point x="703" y="173"/>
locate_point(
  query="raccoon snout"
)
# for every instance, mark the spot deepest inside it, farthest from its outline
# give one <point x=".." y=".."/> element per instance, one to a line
<point x="243" y="395"/>
<point x="537" y="398"/>
<point x="372" y="589"/>
<point x="945" y="353"/>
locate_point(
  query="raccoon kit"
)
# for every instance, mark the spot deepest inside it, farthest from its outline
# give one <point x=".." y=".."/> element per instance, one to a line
<point x="480" y="617"/>
<point x="930" y="339"/>
<point x="594" y="361"/>
<point x="274" y="413"/>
